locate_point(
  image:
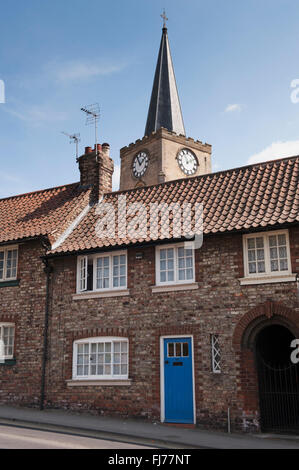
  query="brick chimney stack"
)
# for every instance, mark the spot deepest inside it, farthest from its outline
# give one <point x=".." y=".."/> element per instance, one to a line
<point x="96" y="170"/>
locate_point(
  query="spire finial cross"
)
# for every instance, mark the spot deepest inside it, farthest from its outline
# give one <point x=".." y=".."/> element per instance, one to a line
<point x="164" y="18"/>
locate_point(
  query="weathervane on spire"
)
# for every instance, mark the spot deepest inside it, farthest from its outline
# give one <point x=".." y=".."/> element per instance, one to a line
<point x="164" y="18"/>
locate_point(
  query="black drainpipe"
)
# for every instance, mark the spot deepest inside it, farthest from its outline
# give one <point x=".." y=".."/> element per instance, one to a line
<point x="47" y="270"/>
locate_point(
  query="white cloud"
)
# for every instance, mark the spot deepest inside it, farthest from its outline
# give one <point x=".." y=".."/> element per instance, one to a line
<point x="232" y="108"/>
<point x="80" y="70"/>
<point x="275" y="151"/>
<point x="37" y="115"/>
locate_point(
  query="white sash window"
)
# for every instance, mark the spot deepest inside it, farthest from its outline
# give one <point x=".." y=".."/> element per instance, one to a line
<point x="8" y="263"/>
<point x="267" y="254"/>
<point x="104" y="272"/>
<point x="174" y="265"/>
<point x="101" y="358"/>
<point x="7" y="336"/>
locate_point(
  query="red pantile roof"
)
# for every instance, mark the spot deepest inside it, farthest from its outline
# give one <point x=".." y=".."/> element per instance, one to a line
<point x="47" y="212"/>
<point x="250" y="197"/>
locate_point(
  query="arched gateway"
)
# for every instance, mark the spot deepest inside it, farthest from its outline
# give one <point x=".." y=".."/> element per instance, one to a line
<point x="268" y="381"/>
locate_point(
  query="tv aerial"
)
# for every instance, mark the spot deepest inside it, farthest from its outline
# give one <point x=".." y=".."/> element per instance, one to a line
<point x="92" y="112"/>
<point x="74" y="139"/>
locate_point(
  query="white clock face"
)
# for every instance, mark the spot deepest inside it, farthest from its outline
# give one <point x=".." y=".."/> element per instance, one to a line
<point x="140" y="164"/>
<point x="187" y="162"/>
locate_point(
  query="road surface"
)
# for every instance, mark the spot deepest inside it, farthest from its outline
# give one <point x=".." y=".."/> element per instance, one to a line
<point x="24" y="438"/>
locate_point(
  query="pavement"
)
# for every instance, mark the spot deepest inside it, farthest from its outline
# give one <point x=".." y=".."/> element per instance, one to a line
<point x="139" y="431"/>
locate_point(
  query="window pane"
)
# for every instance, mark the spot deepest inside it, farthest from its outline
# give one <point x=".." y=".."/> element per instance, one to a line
<point x="185" y="349"/>
<point x="252" y="268"/>
<point x="251" y="243"/>
<point x="178" y="349"/>
<point x="170" y="349"/>
<point x="273" y="253"/>
<point x="259" y="242"/>
<point x="283" y="264"/>
<point x="282" y="240"/>
<point x="181" y="275"/>
<point x="261" y="267"/>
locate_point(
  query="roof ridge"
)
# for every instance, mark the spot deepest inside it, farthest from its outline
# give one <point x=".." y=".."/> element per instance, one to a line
<point x="212" y="174"/>
<point x="38" y="191"/>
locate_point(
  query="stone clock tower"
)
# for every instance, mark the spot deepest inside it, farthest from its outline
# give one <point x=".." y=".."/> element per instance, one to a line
<point x="164" y="153"/>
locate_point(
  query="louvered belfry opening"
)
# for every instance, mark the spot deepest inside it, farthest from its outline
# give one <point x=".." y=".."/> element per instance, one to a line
<point x="278" y="380"/>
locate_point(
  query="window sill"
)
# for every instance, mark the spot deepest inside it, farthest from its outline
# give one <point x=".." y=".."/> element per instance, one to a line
<point x="247" y="281"/>
<point x="92" y="383"/>
<point x="96" y="295"/>
<point x="8" y="362"/>
<point x="13" y="283"/>
<point x="174" y="287"/>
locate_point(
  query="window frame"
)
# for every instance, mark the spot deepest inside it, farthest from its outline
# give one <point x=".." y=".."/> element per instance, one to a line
<point x="8" y="325"/>
<point x="5" y="250"/>
<point x="99" y="339"/>
<point x="267" y="259"/>
<point x="176" y="281"/>
<point x="94" y="258"/>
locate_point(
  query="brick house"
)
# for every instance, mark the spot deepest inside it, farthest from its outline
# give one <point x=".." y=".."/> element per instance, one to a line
<point x="107" y="306"/>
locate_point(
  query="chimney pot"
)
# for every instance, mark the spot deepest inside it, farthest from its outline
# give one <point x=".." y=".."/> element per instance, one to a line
<point x="99" y="147"/>
<point x="88" y="150"/>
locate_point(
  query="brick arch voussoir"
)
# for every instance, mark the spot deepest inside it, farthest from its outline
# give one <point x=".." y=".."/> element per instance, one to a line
<point x="268" y="309"/>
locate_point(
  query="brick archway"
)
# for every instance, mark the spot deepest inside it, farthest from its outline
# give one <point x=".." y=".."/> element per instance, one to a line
<point x="262" y="312"/>
<point x="243" y="340"/>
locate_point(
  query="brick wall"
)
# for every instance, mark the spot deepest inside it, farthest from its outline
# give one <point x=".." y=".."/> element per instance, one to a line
<point x="24" y="305"/>
<point x="217" y="307"/>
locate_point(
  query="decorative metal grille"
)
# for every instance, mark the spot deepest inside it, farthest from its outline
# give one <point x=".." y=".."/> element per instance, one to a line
<point x="216" y="354"/>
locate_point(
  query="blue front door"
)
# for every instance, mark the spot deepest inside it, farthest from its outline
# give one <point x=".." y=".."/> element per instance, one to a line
<point x="178" y="382"/>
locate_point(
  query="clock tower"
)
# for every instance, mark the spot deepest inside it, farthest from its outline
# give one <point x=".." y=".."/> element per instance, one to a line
<point x="164" y="153"/>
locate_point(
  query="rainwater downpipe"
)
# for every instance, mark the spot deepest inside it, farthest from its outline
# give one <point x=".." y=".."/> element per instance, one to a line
<point x="47" y="270"/>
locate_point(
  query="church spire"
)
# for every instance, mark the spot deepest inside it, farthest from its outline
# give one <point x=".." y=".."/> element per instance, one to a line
<point x="164" y="109"/>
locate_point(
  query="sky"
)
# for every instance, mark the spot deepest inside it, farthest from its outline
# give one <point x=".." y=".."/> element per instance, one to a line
<point x="236" y="65"/>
